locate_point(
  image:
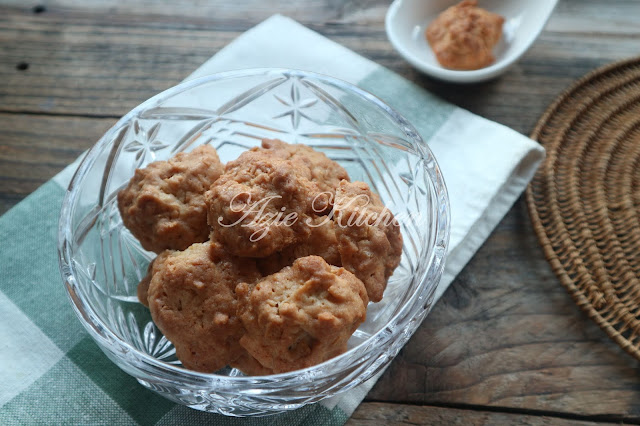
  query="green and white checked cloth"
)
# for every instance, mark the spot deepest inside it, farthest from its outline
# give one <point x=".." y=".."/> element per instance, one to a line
<point x="51" y="371"/>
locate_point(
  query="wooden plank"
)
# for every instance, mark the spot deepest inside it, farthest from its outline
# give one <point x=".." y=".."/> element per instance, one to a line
<point x="100" y="66"/>
<point x="585" y="16"/>
<point x="200" y="9"/>
<point x="372" y="413"/>
<point x="506" y="334"/>
<point x="34" y="148"/>
<point x="80" y="64"/>
<point x="596" y="16"/>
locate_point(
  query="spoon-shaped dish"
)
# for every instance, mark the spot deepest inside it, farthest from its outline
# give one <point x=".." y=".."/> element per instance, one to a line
<point x="407" y="20"/>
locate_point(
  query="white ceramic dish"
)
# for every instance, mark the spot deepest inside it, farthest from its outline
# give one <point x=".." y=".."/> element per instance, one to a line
<point x="407" y="21"/>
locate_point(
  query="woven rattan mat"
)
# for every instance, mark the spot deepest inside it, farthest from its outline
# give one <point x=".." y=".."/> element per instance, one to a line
<point x="585" y="199"/>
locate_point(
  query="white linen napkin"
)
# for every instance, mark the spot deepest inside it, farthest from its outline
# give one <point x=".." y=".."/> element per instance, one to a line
<point x="486" y="166"/>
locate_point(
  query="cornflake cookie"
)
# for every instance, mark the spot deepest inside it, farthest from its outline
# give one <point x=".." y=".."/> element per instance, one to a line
<point x="261" y="204"/>
<point x="302" y="315"/>
<point x="369" y="238"/>
<point x="192" y="301"/>
<point x="163" y="205"/>
<point x="324" y="171"/>
<point x="463" y="36"/>
<point x="154" y="266"/>
<point x="321" y="242"/>
<point x="295" y="253"/>
<point x="250" y="366"/>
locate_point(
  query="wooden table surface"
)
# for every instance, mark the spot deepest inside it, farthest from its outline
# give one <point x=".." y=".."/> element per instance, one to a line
<point x="506" y="344"/>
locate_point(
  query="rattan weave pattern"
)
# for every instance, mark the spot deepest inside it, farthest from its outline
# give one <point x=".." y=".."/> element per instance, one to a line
<point x="585" y="199"/>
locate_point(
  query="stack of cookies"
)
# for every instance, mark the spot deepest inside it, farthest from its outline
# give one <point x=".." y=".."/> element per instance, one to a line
<point x="266" y="264"/>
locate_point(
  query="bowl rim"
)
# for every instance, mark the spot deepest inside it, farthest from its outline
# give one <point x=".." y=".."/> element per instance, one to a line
<point x="100" y="331"/>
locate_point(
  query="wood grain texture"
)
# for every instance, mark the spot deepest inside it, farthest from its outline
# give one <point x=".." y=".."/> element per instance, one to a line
<point x="506" y="336"/>
<point x="396" y="414"/>
<point x="93" y="49"/>
<point x="34" y="148"/>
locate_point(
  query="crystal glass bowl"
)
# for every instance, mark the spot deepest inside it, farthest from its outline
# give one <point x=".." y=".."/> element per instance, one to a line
<point x="101" y="262"/>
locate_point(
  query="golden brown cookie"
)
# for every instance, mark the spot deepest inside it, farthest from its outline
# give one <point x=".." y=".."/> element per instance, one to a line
<point x="193" y="303"/>
<point x="163" y="205"/>
<point x="369" y="238"/>
<point x="250" y="366"/>
<point x="321" y="242"/>
<point x="154" y="266"/>
<point x="324" y="171"/>
<point x="260" y="204"/>
<point x="463" y="36"/>
<point x="302" y="315"/>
